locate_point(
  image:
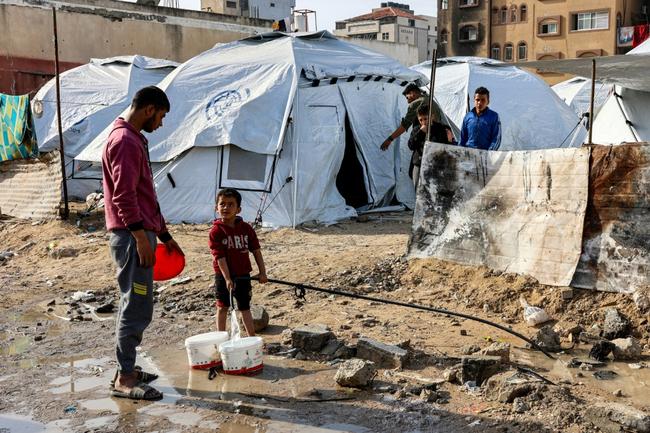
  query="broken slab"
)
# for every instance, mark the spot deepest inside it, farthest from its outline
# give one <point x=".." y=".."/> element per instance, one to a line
<point x="617" y="417"/>
<point x="311" y="338"/>
<point x="478" y="368"/>
<point x="384" y="355"/>
<point x="626" y="349"/>
<point x="506" y="387"/>
<point x="501" y="350"/>
<point x="331" y="347"/>
<point x="355" y="373"/>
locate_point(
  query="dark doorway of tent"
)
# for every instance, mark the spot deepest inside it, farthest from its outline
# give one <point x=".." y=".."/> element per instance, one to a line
<point x="350" y="180"/>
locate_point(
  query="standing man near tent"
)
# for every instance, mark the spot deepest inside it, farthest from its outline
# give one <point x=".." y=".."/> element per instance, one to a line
<point x="134" y="220"/>
<point x="415" y="97"/>
<point x="481" y="126"/>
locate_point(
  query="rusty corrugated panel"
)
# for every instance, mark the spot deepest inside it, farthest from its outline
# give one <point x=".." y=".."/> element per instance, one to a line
<point x="31" y="188"/>
<point x="616" y="243"/>
<point x="520" y="211"/>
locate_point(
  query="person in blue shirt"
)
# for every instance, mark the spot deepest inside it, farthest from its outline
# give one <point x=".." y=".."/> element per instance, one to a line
<point x="481" y="126"/>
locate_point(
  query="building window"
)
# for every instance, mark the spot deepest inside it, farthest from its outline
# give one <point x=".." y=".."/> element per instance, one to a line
<point x="495" y="15"/>
<point x="496" y="52"/>
<point x="231" y="4"/>
<point x="468" y="33"/>
<point x="507" y="52"/>
<point x="523" y="13"/>
<point x="466" y="3"/>
<point x="522" y="51"/>
<point x="504" y="15"/>
<point x="272" y="5"/>
<point x="513" y="14"/>
<point x="444" y="36"/>
<point x="411" y="23"/>
<point x="549" y="27"/>
<point x="385" y="36"/>
<point x="590" y="21"/>
<point x="444" y="4"/>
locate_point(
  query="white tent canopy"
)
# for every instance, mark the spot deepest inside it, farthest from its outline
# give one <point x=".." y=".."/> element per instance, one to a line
<point x="532" y="116"/>
<point x="625" y="117"/>
<point x="576" y="93"/>
<point x="92" y="96"/>
<point x="293" y="120"/>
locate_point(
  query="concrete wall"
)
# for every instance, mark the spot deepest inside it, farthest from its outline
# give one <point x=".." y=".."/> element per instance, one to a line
<point x="407" y="55"/>
<point x="103" y="28"/>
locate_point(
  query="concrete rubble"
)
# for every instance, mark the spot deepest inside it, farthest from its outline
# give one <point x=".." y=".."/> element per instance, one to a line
<point x="384" y="355"/>
<point x="617" y="417"/>
<point x="616" y="325"/>
<point x="311" y="338"/>
<point x="355" y="373"/>
<point x="626" y="349"/>
<point x="548" y="339"/>
<point x="260" y="317"/>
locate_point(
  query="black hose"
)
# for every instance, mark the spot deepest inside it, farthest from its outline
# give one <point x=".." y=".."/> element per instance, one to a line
<point x="409" y="305"/>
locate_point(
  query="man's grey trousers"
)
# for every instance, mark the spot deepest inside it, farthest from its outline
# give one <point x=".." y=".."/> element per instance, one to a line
<point x="136" y="302"/>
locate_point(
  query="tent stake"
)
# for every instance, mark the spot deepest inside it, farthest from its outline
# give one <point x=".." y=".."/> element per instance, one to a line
<point x="432" y="86"/>
<point x="65" y="213"/>
<point x="591" y="102"/>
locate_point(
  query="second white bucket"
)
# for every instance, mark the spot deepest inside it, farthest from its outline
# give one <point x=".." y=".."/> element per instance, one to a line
<point x="203" y="349"/>
<point x="243" y="356"/>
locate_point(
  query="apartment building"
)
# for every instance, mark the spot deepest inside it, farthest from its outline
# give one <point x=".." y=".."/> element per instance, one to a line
<point x="520" y="30"/>
<point x="391" y="23"/>
<point x="264" y="9"/>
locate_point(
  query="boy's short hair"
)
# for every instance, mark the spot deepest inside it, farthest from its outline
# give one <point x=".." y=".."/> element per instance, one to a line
<point x="230" y="192"/>
<point x="423" y="110"/>
<point x="482" y="91"/>
<point x="150" y="95"/>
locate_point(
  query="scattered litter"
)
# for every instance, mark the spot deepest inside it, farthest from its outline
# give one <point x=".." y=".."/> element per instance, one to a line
<point x="83" y="296"/>
<point x="70" y="409"/>
<point x="161" y="289"/>
<point x="471" y="387"/>
<point x="637" y="366"/>
<point x="475" y="423"/>
<point x="533" y="315"/>
<point x="180" y="280"/>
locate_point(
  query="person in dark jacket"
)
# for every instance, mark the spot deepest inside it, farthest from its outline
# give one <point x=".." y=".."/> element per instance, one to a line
<point x="133" y="220"/>
<point x="481" y="126"/>
<point x="439" y="133"/>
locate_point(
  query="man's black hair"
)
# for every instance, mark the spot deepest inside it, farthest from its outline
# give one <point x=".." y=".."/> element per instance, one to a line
<point x="410" y="88"/>
<point x="230" y="192"/>
<point x="150" y="95"/>
<point x="482" y="91"/>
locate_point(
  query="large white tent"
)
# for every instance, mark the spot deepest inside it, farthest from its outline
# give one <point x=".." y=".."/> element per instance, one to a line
<point x="625" y="117"/>
<point x="294" y="121"/>
<point x="92" y="96"/>
<point x="532" y="115"/>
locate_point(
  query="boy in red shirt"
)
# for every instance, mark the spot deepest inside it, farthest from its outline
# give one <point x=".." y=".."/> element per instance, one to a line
<point x="231" y="239"/>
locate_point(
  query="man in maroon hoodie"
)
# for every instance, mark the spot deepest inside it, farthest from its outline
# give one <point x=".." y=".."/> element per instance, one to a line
<point x="134" y="220"/>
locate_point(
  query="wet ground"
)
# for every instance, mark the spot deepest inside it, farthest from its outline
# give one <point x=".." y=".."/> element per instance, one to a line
<point x="69" y="393"/>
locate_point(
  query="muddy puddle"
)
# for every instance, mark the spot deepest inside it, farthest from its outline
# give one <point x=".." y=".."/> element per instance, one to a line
<point x="628" y="378"/>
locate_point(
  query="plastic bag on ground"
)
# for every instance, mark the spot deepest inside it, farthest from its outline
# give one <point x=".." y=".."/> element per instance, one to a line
<point x="533" y="315"/>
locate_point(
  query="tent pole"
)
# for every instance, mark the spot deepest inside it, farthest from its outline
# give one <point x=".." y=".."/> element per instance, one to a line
<point x="432" y="86"/>
<point x="66" y="210"/>
<point x="591" y="102"/>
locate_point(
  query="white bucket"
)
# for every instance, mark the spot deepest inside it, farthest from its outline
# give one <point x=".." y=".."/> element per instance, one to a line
<point x="203" y="349"/>
<point x="242" y="356"/>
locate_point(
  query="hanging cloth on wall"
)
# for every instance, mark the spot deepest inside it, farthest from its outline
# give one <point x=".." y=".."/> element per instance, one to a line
<point x="17" y="137"/>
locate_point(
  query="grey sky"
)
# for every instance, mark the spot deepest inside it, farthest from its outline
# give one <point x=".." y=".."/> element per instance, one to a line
<point x="330" y="11"/>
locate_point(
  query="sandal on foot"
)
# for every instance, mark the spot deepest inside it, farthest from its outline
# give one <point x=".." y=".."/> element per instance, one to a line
<point x="140" y="391"/>
<point x="143" y="376"/>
